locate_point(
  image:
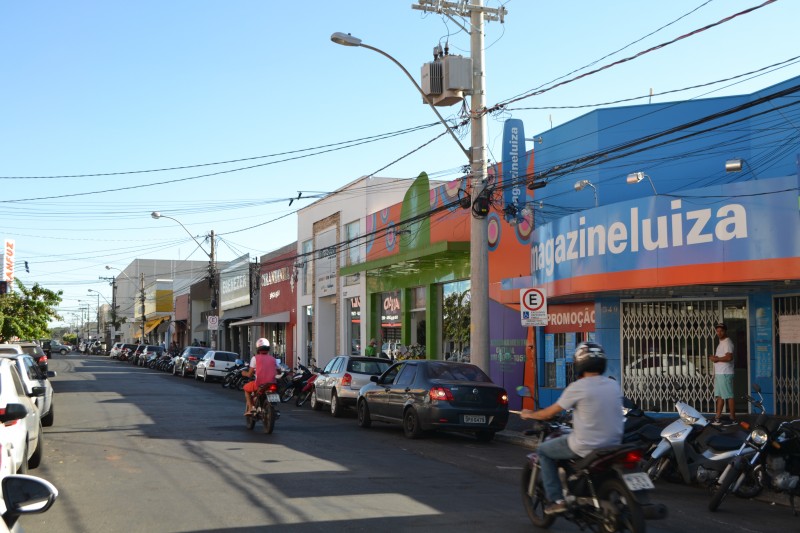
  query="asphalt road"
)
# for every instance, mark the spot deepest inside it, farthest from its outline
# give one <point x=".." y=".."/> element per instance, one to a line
<point x="134" y="450"/>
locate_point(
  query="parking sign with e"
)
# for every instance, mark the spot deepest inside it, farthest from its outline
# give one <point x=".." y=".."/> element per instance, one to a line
<point x="533" y="307"/>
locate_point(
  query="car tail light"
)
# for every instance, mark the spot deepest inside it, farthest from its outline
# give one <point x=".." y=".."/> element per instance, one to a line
<point x="211" y="364"/>
<point x="502" y="398"/>
<point x="441" y="393"/>
<point x="192" y="358"/>
<point x="347" y="380"/>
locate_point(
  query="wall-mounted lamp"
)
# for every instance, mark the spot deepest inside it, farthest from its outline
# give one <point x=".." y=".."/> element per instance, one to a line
<point x="636" y="177"/>
<point x="582" y="184"/>
<point x="734" y="165"/>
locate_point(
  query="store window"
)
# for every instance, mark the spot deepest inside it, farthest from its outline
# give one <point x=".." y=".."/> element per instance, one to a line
<point x="352" y="251"/>
<point x="456" y="321"/>
<point x="418" y="325"/>
<point x="354" y="332"/>
<point x="308" y="324"/>
<point x="559" y="349"/>
<point x="390" y="322"/>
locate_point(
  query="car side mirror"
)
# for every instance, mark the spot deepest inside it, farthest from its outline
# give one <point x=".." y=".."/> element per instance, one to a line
<point x="27" y="494"/>
<point x="13" y="411"/>
<point x="375" y="379"/>
<point x="38" y="391"/>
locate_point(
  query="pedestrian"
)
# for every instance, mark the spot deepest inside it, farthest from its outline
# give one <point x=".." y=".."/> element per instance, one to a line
<point x="372" y="349"/>
<point x="723" y="374"/>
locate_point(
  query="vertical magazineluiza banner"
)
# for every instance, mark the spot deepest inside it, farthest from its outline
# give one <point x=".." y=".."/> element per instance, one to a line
<point x="515" y="165"/>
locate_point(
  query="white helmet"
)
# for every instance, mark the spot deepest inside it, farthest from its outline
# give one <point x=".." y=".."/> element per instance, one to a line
<point x="262" y="343"/>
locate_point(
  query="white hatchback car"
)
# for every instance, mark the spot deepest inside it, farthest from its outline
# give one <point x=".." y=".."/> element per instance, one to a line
<point x="215" y="364"/>
<point x="20" y="427"/>
<point x="32" y="376"/>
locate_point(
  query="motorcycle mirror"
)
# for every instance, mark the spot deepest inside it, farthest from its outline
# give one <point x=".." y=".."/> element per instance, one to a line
<point x="524" y="391"/>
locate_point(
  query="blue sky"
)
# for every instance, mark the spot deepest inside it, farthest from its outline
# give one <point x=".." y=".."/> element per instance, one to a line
<point x="94" y="87"/>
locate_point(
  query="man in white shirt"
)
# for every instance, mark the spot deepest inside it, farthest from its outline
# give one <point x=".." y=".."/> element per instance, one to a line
<point x="723" y="374"/>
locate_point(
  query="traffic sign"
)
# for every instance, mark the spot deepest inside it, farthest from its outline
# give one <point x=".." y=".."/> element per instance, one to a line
<point x="213" y="322"/>
<point x="533" y="307"/>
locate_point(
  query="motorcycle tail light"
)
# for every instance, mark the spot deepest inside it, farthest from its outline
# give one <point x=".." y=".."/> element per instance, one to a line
<point x="441" y="393"/>
<point x="759" y="436"/>
<point x="347" y="380"/>
<point x="272" y="387"/>
<point x="632" y="458"/>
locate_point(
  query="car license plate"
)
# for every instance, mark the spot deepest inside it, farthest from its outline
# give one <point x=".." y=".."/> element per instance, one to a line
<point x="273" y="398"/>
<point x="474" y="419"/>
<point x="638" y="481"/>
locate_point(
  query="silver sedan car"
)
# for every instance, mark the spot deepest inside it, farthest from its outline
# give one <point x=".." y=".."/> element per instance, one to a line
<point x="338" y="384"/>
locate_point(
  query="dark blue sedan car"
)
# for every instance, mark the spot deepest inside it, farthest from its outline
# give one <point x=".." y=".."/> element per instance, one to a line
<point x="425" y="395"/>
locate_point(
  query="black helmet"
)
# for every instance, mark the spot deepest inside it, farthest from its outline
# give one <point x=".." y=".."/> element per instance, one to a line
<point x="589" y="357"/>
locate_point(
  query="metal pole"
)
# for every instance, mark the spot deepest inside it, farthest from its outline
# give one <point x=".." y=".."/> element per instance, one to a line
<point x="479" y="229"/>
<point x="141" y="278"/>
<point x="214" y="300"/>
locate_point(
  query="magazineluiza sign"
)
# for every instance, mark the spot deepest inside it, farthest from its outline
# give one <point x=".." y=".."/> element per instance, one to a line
<point x="234" y="284"/>
<point x="734" y="222"/>
<point x="515" y="164"/>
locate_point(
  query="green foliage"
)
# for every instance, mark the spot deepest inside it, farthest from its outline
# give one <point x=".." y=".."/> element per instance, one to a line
<point x="456" y="319"/>
<point x="25" y="313"/>
<point x="70" y="338"/>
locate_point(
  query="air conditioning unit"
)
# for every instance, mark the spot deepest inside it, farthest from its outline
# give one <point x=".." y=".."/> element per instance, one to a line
<point x="446" y="80"/>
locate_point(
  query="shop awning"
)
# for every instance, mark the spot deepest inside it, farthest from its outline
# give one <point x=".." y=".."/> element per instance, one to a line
<point x="414" y="261"/>
<point x="280" y="318"/>
<point x="153" y="323"/>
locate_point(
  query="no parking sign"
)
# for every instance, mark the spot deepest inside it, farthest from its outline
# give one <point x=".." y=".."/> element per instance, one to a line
<point x="533" y="307"/>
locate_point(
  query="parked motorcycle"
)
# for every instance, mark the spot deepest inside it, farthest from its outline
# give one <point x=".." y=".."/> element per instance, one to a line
<point x="234" y="375"/>
<point x="308" y="386"/>
<point x="604" y="491"/>
<point x="298" y="380"/>
<point x="773" y="462"/>
<point x="264" y="401"/>
<point x="284" y="378"/>
<point x="692" y="450"/>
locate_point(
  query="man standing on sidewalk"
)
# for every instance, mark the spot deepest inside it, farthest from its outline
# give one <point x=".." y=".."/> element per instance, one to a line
<point x="723" y="374"/>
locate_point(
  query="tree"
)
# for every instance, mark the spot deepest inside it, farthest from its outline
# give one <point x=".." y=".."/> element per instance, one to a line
<point x="456" y="320"/>
<point x="25" y="313"/>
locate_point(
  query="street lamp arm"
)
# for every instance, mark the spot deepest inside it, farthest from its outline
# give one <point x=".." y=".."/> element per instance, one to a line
<point x="348" y="40"/>
<point x="157" y="215"/>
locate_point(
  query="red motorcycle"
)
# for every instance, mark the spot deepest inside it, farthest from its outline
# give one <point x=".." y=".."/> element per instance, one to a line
<point x="305" y="392"/>
<point x="264" y="400"/>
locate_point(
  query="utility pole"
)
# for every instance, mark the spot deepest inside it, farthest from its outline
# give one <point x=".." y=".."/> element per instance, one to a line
<point x="479" y="227"/>
<point x="141" y="279"/>
<point x="214" y="299"/>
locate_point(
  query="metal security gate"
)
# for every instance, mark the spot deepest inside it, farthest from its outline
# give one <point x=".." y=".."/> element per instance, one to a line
<point x="787" y="360"/>
<point x="665" y="348"/>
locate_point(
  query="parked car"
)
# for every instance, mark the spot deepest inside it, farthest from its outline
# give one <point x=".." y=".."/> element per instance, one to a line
<point x="186" y="362"/>
<point x="19" y="419"/>
<point x="33" y="376"/>
<point x="116" y="349"/>
<point x="339" y="382"/>
<point x="651" y="380"/>
<point x="137" y="353"/>
<point x="32" y="349"/>
<point x="127" y="351"/>
<point x="425" y="395"/>
<point x="215" y="364"/>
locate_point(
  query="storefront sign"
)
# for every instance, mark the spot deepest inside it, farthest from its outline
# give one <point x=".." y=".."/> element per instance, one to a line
<point x="276" y="276"/>
<point x="235" y="284"/>
<point x="515" y="164"/>
<point x="564" y="318"/>
<point x="8" y="261"/>
<point x="390" y="309"/>
<point x="702" y="226"/>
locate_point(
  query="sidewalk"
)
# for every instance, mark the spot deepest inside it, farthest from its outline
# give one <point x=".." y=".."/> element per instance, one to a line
<point x="513" y="434"/>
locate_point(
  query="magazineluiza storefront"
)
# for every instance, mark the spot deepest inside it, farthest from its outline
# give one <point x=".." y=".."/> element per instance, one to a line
<point x="661" y="271"/>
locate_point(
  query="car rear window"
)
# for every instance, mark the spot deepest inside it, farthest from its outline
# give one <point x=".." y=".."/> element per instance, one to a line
<point x="32" y="350"/>
<point x="8" y="350"/>
<point x="451" y="372"/>
<point x="374" y="367"/>
<point x="197" y="350"/>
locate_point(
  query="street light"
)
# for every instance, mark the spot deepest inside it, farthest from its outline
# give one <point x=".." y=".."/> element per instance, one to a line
<point x="582" y="184"/>
<point x="479" y="226"/>
<point x="212" y="269"/>
<point x="636" y="177"/>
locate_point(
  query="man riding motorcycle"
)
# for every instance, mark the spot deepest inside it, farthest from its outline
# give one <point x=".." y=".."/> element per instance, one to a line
<point x="597" y="403"/>
<point x="265" y="368"/>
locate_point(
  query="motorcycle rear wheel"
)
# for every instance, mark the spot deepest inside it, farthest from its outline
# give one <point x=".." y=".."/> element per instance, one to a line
<point x="534" y="505"/>
<point x="269" y="417"/>
<point x="628" y="512"/>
